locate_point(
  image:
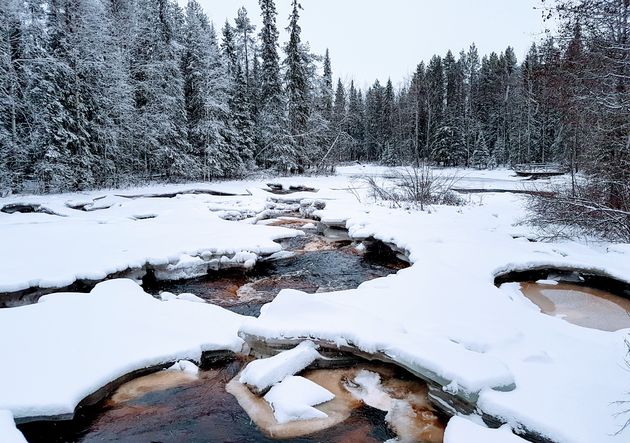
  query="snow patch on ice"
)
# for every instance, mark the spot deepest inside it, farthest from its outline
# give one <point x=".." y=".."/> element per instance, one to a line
<point x="168" y="296"/>
<point x="262" y="374"/>
<point x="548" y="282"/>
<point x="184" y="366"/>
<point x="293" y="399"/>
<point x="461" y="430"/>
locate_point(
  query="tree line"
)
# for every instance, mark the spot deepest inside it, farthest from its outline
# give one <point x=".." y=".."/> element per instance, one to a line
<point x="103" y="92"/>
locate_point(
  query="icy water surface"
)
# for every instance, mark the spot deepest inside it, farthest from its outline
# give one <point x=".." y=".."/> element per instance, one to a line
<point x="580" y="305"/>
<point x="171" y="407"/>
<point x="319" y="264"/>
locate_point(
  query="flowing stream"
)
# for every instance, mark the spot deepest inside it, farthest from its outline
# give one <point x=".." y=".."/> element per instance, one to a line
<point x="176" y="407"/>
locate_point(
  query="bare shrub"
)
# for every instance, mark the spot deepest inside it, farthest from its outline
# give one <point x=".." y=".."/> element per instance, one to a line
<point x="419" y="187"/>
<point x="584" y="208"/>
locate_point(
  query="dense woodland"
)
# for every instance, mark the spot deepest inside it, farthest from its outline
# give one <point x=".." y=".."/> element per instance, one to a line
<point x="106" y="92"/>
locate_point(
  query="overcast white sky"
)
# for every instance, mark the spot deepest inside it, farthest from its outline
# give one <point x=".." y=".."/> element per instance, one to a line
<point x="371" y="39"/>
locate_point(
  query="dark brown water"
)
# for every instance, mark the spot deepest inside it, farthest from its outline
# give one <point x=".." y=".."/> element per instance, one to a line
<point x="176" y="408"/>
<point x="172" y="407"/>
<point x="320" y="264"/>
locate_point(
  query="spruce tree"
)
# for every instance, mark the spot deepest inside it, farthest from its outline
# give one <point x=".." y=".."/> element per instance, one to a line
<point x="161" y="122"/>
<point x="245" y="43"/>
<point x="275" y="149"/>
<point x="228" y="46"/>
<point x="356" y="128"/>
<point x="207" y="91"/>
<point x="327" y="88"/>
<point x="10" y="103"/>
<point x="297" y="87"/>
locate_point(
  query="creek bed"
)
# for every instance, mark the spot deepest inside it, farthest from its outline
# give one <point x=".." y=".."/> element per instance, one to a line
<point x="318" y="263"/>
<point x="174" y="407"/>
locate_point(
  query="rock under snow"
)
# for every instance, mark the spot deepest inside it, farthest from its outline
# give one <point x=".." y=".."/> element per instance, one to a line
<point x="260" y="375"/>
<point x="461" y="430"/>
<point x="293" y="399"/>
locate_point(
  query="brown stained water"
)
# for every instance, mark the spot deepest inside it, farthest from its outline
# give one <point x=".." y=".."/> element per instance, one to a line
<point x="166" y="407"/>
<point x="580" y="305"/>
<point x="318" y="264"/>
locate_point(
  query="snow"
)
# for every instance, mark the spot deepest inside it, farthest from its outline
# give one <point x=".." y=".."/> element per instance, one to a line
<point x="185" y="367"/>
<point x="293" y="399"/>
<point x="460" y="430"/>
<point x="167" y="296"/>
<point x="443" y="315"/>
<point x="264" y="373"/>
<point x="8" y="432"/>
<point x="55" y="251"/>
<point x="369" y="390"/>
<point x="548" y="282"/>
<point x="70" y="345"/>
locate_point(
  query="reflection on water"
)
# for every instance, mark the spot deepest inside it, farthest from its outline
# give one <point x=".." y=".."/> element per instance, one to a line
<point x="170" y="408"/>
<point x="580" y="305"/>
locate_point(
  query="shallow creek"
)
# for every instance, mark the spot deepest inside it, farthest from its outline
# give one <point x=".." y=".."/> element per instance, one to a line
<point x="212" y="406"/>
<point x="312" y="263"/>
<point x="580" y="305"/>
<point x="175" y="407"/>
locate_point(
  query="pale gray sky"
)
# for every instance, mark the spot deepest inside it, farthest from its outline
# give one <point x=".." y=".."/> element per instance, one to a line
<point x="371" y="39"/>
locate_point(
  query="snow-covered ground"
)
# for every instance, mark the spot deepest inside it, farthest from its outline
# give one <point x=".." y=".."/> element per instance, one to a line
<point x="443" y="314"/>
<point x="62" y="349"/>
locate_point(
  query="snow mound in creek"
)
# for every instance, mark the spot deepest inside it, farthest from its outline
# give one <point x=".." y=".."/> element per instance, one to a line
<point x="293" y="399"/>
<point x="262" y="374"/>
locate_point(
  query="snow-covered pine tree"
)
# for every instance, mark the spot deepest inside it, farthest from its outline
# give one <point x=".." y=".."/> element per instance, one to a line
<point x="243" y="137"/>
<point x="105" y="92"/>
<point x="326" y="101"/>
<point x="61" y="140"/>
<point x="239" y="55"/>
<point x="161" y="126"/>
<point x="208" y="88"/>
<point x="297" y="87"/>
<point x="275" y="149"/>
<point x="245" y="44"/>
<point x="373" y="121"/>
<point x="481" y="155"/>
<point x="356" y="126"/>
<point x="471" y="93"/>
<point x="339" y="111"/>
<point x="10" y="93"/>
<point x="390" y="152"/>
<point x="228" y="49"/>
<point x="436" y="97"/>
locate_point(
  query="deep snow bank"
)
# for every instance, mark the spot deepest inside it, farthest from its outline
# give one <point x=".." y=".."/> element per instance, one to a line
<point x="59" y="351"/>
